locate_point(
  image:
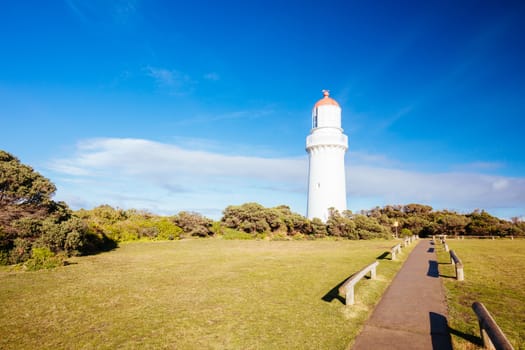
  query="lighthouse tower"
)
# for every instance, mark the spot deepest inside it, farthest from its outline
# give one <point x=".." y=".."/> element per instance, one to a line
<point x="326" y="146"/>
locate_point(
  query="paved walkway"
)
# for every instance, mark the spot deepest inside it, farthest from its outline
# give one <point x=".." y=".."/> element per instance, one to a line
<point x="412" y="313"/>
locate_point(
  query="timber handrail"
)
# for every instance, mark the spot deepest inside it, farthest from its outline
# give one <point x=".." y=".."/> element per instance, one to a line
<point x="456" y="261"/>
<point x="491" y="335"/>
<point x="347" y="288"/>
<point x="395" y="250"/>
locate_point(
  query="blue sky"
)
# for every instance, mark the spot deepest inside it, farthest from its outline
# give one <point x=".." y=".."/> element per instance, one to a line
<point x="196" y="105"/>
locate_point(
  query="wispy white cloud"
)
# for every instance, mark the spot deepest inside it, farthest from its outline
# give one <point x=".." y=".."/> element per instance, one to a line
<point x="144" y="158"/>
<point x="212" y="76"/>
<point x="175" y="177"/>
<point x="387" y="181"/>
<point x="162" y="76"/>
<point x="450" y="190"/>
<point x="174" y="81"/>
<point x="165" y="178"/>
<point x="231" y="148"/>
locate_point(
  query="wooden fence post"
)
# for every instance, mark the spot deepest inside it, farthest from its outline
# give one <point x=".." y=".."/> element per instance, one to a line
<point x="350" y="298"/>
<point x="347" y="288"/>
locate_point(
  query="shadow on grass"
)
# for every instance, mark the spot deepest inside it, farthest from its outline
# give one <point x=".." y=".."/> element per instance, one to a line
<point x="446" y="276"/>
<point x="433" y="269"/>
<point x="468" y="337"/>
<point x="334" y="292"/>
<point x="383" y="256"/>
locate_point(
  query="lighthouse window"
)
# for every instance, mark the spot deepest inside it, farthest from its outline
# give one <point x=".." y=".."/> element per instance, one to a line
<point x="318" y="185"/>
<point x="315" y="121"/>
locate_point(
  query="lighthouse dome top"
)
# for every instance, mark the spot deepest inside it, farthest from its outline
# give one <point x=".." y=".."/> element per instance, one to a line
<point x="326" y="100"/>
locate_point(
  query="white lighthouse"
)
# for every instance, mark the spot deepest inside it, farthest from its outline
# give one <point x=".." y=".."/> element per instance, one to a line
<point x="326" y="146"/>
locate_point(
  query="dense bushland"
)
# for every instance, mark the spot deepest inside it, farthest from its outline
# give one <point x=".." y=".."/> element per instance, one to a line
<point x="252" y="220"/>
<point x="33" y="226"/>
<point x="424" y="221"/>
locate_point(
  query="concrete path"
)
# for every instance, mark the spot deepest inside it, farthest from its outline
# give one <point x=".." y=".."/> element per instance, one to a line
<point x="412" y="313"/>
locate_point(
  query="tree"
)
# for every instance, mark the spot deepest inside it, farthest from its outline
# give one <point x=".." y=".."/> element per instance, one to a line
<point x="481" y="224"/>
<point x="415" y="223"/>
<point x="253" y="218"/>
<point x="24" y="193"/>
<point x="250" y="217"/>
<point x="368" y="228"/>
<point x="30" y="219"/>
<point x="319" y="229"/>
<point x="341" y="225"/>
<point x="25" y="201"/>
<point x="452" y="223"/>
<point x="193" y="224"/>
<point x="417" y="209"/>
<point x="294" y="223"/>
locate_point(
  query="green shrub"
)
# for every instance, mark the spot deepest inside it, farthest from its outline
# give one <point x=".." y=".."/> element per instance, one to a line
<point x="75" y="231"/>
<point x="280" y="237"/>
<point x="193" y="224"/>
<point x="28" y="227"/>
<point x="74" y="242"/>
<point x="148" y="231"/>
<point x="53" y="236"/>
<point x="318" y="228"/>
<point x="167" y="229"/>
<point x="230" y="233"/>
<point x="406" y="232"/>
<point x="4" y="257"/>
<point x="217" y="228"/>
<point x="42" y="258"/>
<point x="21" y="251"/>
<point x="124" y="231"/>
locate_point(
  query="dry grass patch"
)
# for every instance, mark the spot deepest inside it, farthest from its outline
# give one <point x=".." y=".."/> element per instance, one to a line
<point x="210" y="294"/>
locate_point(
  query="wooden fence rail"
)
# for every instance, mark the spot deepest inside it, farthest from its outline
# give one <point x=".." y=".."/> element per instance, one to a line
<point x="395" y="250"/>
<point x="491" y="335"/>
<point x="460" y="276"/>
<point x="347" y="288"/>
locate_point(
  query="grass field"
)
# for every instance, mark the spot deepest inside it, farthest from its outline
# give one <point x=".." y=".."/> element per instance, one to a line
<point x="210" y="294"/>
<point x="494" y="272"/>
